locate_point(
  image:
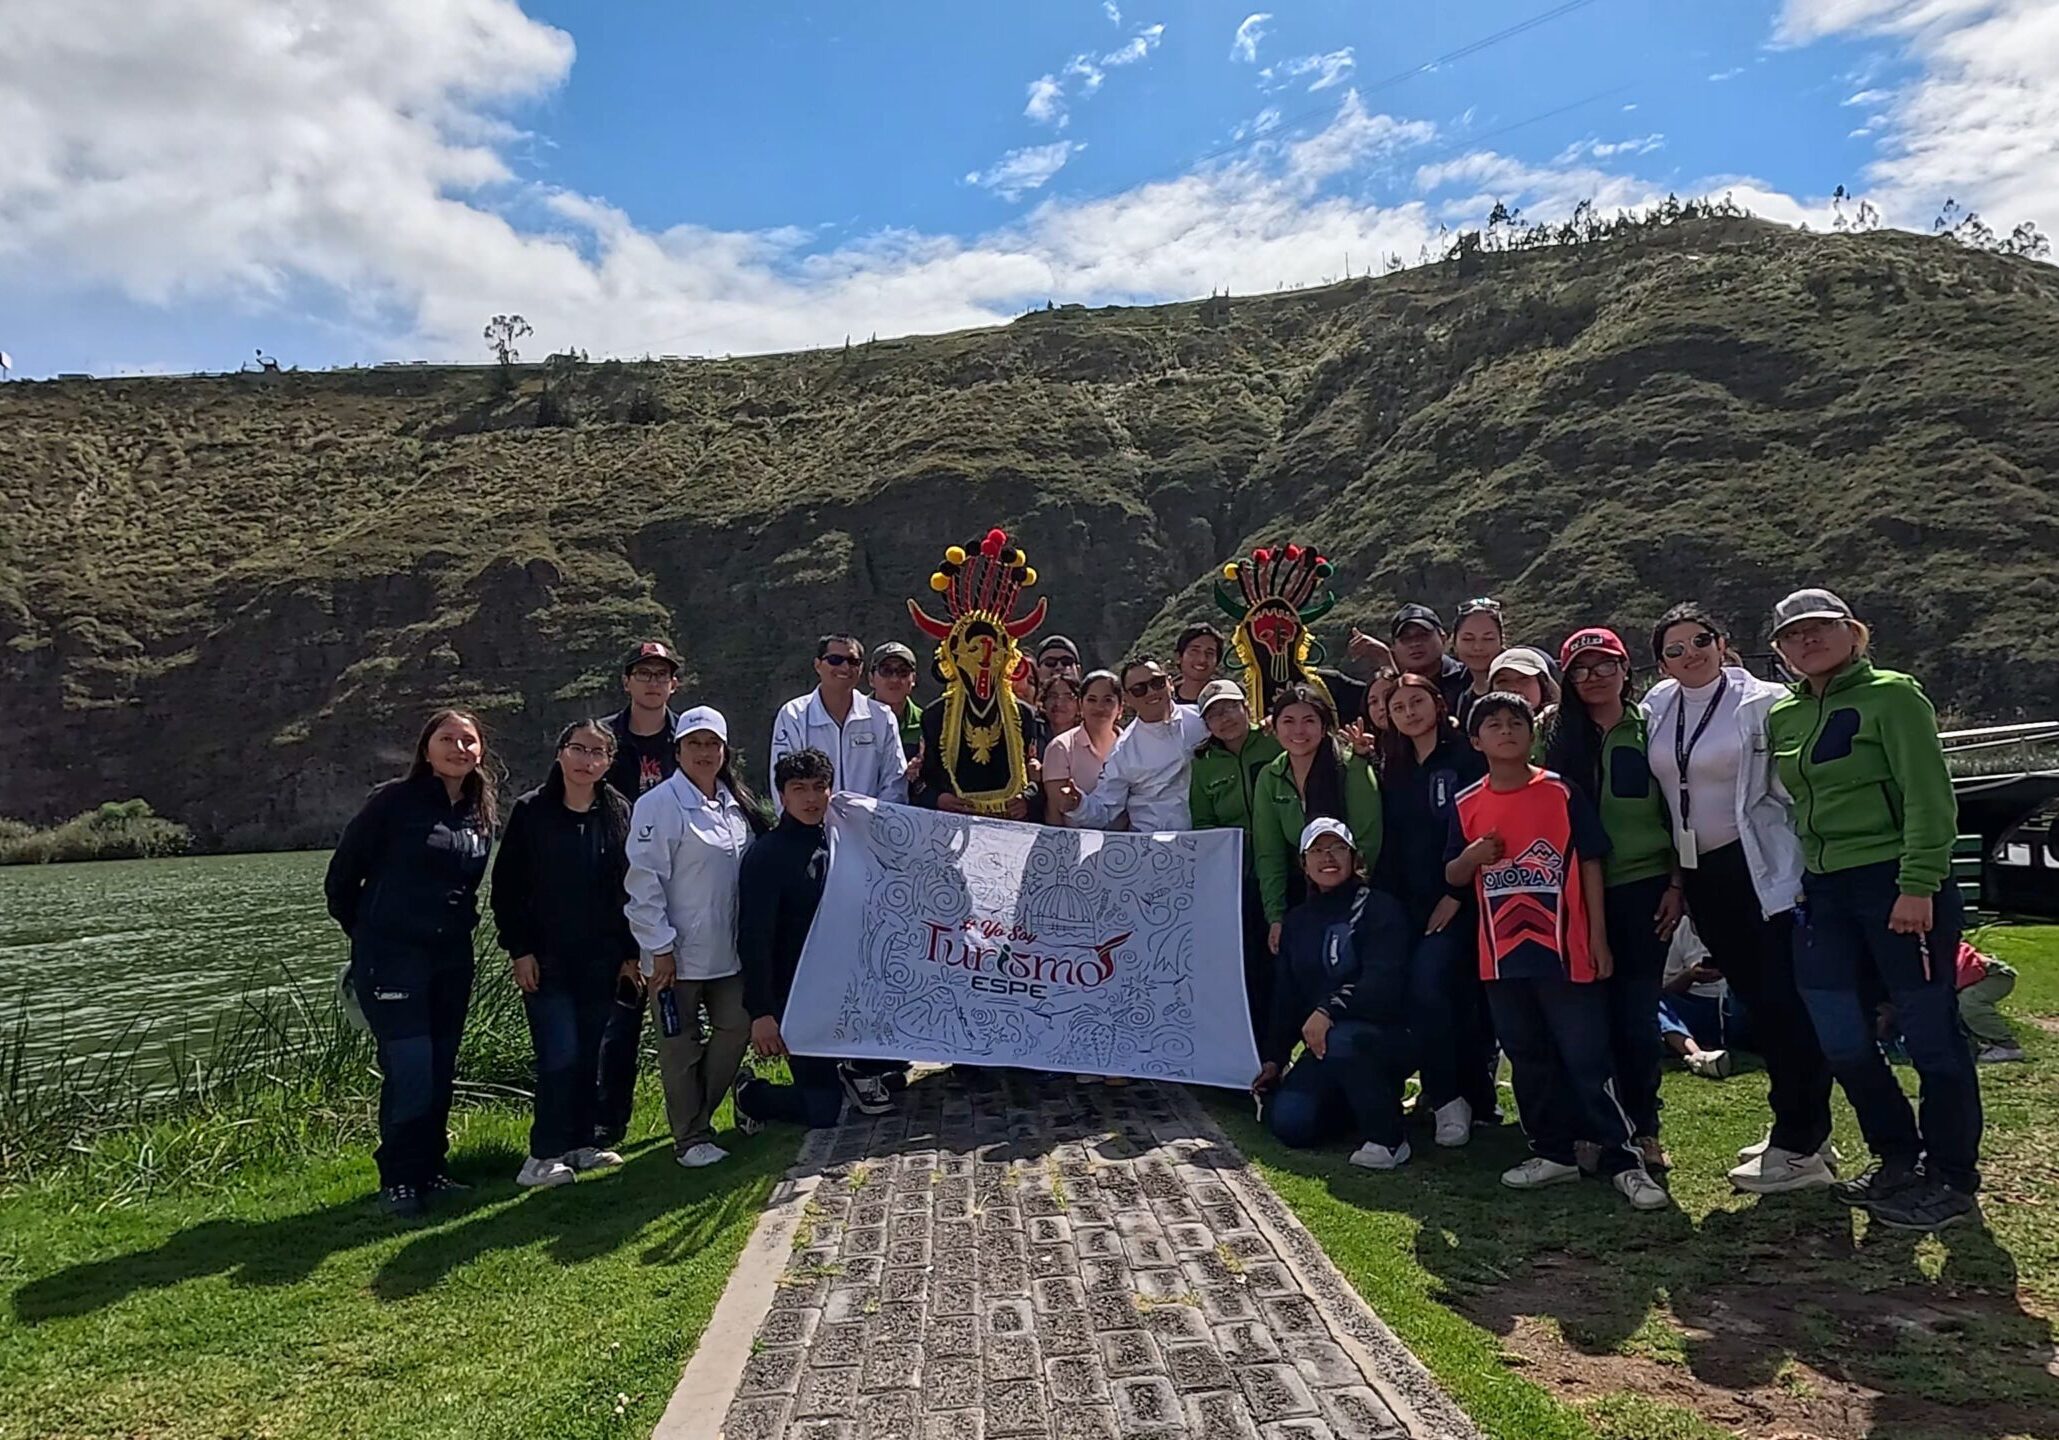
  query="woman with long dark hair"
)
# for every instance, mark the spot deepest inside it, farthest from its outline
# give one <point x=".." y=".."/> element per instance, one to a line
<point x="404" y="885"/>
<point x="1596" y="743"/>
<point x="1425" y="762"/>
<point x="1317" y="776"/>
<point x="1858" y="750"/>
<point x="1741" y="874"/>
<point x="557" y="903"/>
<point x="686" y="843"/>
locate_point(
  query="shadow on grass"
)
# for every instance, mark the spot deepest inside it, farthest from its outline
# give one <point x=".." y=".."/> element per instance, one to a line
<point x="577" y="1223"/>
<point x="1734" y="1302"/>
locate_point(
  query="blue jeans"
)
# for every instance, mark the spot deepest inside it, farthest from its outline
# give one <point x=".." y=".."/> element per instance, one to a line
<point x="1712" y="1023"/>
<point x="1633" y="991"/>
<point x="815" y="1099"/>
<point x="1354" y="1089"/>
<point x="567" y="1014"/>
<point x="1556" y="1035"/>
<point x="415" y="997"/>
<point x="1846" y="959"/>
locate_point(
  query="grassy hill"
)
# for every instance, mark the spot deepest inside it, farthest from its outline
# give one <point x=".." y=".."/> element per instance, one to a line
<point x="232" y="596"/>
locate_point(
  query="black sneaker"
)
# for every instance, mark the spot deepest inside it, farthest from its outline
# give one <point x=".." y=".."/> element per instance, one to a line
<point x="402" y="1202"/>
<point x="1884" y="1179"/>
<point x="446" y="1185"/>
<point x="745" y="1124"/>
<point x="867" y="1092"/>
<point x="1932" y="1205"/>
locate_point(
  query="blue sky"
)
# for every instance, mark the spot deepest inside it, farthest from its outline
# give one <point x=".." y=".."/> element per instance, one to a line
<point x="367" y="179"/>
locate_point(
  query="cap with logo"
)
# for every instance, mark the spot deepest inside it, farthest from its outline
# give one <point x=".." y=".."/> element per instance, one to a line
<point x="1808" y="605"/>
<point x="702" y="717"/>
<point x="1216" y="690"/>
<point x="892" y="650"/>
<point x="1323" y="825"/>
<point x="650" y="650"/>
<point x="1521" y="659"/>
<point x="1594" y="637"/>
<point x="1409" y="615"/>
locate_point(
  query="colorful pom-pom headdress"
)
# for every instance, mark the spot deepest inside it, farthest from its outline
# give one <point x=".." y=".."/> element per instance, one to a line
<point x="984" y="749"/>
<point x="1273" y="597"/>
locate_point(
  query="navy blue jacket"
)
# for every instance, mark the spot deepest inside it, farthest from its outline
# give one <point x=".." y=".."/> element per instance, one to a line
<point x="409" y="865"/>
<point x="1416" y="804"/>
<point x="1344" y="953"/>
<point x="777" y="891"/>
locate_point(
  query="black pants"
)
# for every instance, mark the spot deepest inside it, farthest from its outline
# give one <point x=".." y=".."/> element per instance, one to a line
<point x="1633" y="994"/>
<point x="1259" y="960"/>
<point x="1354" y="1090"/>
<point x="415" y="996"/>
<point x="815" y="1099"/>
<point x="620" y="1051"/>
<point x="1449" y="1017"/>
<point x="1556" y="1035"/>
<point x="568" y="1012"/>
<point x="1756" y="956"/>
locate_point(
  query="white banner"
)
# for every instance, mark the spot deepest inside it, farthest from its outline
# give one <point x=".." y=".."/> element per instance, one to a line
<point x="953" y="938"/>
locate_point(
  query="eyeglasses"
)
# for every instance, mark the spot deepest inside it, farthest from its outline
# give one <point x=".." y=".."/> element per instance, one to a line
<point x="651" y="675"/>
<point x="1700" y="642"/>
<point x="838" y="662"/>
<point x="588" y="752"/>
<point x="1595" y="670"/>
<point x="1147" y="687"/>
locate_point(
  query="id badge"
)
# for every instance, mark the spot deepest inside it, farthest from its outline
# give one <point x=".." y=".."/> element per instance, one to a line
<point x="1683" y="843"/>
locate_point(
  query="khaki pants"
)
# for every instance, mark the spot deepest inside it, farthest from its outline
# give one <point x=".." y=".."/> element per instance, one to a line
<point x="696" y="1070"/>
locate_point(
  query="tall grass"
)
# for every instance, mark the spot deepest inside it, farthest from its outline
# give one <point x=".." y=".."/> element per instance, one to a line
<point x="284" y="1072"/>
<point x="117" y="830"/>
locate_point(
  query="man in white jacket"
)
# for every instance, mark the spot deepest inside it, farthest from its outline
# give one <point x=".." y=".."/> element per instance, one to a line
<point x="861" y="736"/>
<point x="1147" y="771"/>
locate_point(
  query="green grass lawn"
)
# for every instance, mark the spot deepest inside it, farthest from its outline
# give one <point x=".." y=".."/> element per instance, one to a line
<point x="281" y="1303"/>
<point x="1565" y="1314"/>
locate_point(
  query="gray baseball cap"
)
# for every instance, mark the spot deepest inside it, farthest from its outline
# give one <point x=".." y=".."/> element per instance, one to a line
<point x="1809" y="605"/>
<point x="894" y="648"/>
<point x="1216" y="690"/>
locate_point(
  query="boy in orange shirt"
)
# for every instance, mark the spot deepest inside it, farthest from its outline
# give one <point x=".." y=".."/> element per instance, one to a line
<point x="1531" y="848"/>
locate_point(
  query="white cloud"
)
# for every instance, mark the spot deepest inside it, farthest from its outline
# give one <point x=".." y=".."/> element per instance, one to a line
<point x="1021" y="171"/>
<point x="1867" y="97"/>
<point x="1047" y="101"/>
<point x="1112" y="11"/>
<point x="1593" y="149"/>
<point x="1244" y="45"/>
<point x="1086" y="72"/>
<point x="1329" y="69"/>
<point x="1263" y="123"/>
<point x="1976" y="123"/>
<point x="1140" y="45"/>
<point x="1720" y="76"/>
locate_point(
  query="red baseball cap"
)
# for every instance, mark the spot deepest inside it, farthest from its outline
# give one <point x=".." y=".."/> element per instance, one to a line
<point x="1595" y="637"/>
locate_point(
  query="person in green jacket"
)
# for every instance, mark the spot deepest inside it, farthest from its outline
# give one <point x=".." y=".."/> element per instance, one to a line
<point x="1857" y="750"/>
<point x="1219" y="791"/>
<point x="1317" y="775"/>
<point x="1595" y="742"/>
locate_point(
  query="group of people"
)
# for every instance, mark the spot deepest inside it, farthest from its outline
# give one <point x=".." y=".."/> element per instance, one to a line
<point x="1471" y="850"/>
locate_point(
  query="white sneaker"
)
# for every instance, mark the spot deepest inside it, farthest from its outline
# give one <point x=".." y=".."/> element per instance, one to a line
<point x="1711" y="1064"/>
<point x="1378" y="1157"/>
<point x="1774" y="1170"/>
<point x="1999" y="1054"/>
<point x="1454" y="1122"/>
<point x="867" y="1092"/>
<point x="1832" y="1156"/>
<point x="1538" y="1172"/>
<point x="1643" y="1192"/>
<point x="544" y="1170"/>
<point x="592" y="1157"/>
<point x="705" y="1153"/>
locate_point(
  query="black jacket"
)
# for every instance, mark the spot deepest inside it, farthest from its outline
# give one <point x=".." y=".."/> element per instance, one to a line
<point x="933" y="781"/>
<point x="557" y="882"/>
<point x="409" y="865"/>
<point x="1416" y="802"/>
<point x="1345" y="953"/>
<point x="642" y="762"/>
<point x="778" y="888"/>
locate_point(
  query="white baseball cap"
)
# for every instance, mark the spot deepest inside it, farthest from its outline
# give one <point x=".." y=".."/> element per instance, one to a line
<point x="1323" y="825"/>
<point x="701" y="717"/>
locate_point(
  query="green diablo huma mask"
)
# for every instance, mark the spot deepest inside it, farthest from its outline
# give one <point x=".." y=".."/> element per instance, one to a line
<point x="1274" y="604"/>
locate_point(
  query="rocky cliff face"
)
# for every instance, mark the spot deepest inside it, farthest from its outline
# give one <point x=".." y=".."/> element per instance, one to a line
<point x="234" y="596"/>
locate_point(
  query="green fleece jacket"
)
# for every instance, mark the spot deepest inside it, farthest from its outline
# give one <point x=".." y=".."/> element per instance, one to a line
<point x="1868" y="776"/>
<point x="1633" y="812"/>
<point x="1220" y="786"/>
<point x="1277" y="821"/>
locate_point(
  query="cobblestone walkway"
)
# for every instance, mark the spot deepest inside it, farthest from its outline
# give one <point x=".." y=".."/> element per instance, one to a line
<point x="1043" y="1259"/>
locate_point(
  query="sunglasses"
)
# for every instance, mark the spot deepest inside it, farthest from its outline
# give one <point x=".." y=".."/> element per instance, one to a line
<point x="1595" y="670"/>
<point x="1147" y="687"/>
<point x="1059" y="662"/>
<point x="1484" y="605"/>
<point x="1700" y="642"/>
<point x="839" y="661"/>
<point x="893" y="672"/>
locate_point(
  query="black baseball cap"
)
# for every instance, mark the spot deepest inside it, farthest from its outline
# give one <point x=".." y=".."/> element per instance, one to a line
<point x="644" y="650"/>
<point x="1409" y="615"/>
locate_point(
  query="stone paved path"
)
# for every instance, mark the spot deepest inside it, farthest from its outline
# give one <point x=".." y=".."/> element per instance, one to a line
<point x="1043" y="1259"/>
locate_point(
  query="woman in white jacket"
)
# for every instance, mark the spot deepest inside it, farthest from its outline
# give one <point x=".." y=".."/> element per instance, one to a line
<point x="686" y="844"/>
<point x="1741" y="870"/>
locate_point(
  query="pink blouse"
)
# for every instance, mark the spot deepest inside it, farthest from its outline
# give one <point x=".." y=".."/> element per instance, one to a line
<point x="1072" y="756"/>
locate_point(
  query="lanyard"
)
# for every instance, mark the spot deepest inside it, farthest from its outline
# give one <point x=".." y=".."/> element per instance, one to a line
<point x="1683" y="743"/>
